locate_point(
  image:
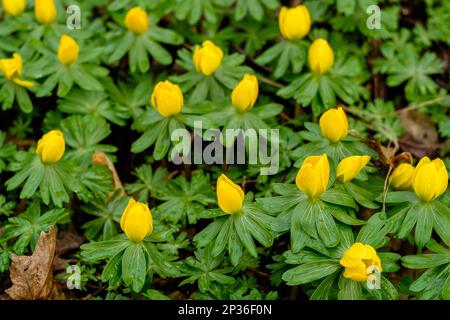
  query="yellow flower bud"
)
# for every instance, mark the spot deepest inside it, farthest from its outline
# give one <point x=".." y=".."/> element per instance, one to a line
<point x="136" y="20"/>
<point x="68" y="50"/>
<point x="244" y="95"/>
<point x="313" y="176"/>
<point x="167" y="98"/>
<point x="12" y="70"/>
<point x="207" y="58"/>
<point x="136" y="221"/>
<point x="334" y="125"/>
<point x="14" y="7"/>
<point x="359" y="261"/>
<point x="401" y="177"/>
<point x="430" y="179"/>
<point x="45" y="11"/>
<point x="295" y="22"/>
<point x="349" y="167"/>
<point x="320" y="56"/>
<point x="229" y="195"/>
<point x="51" y="146"/>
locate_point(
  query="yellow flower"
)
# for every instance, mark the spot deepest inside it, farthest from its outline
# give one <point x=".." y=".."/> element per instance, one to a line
<point x="320" y="56"/>
<point x="313" y="176"/>
<point x="229" y="195"/>
<point x="349" y="167"/>
<point x="167" y="98"/>
<point x="136" y="221"/>
<point x="45" y="11"/>
<point x="294" y="22"/>
<point x="207" y="58"/>
<point x="68" y="50"/>
<point x="244" y="95"/>
<point x="51" y="146"/>
<point x="136" y="20"/>
<point x="12" y="70"/>
<point x="430" y="179"/>
<point x="358" y="260"/>
<point x="334" y="125"/>
<point x="14" y="7"/>
<point x="401" y="177"/>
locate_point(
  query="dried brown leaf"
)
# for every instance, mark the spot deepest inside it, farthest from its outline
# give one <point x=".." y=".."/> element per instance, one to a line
<point x="32" y="276"/>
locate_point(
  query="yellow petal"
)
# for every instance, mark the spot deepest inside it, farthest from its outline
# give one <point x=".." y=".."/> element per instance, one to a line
<point x="167" y="98"/>
<point x="334" y="124"/>
<point x="136" y="20"/>
<point x="51" y="147"/>
<point x="230" y="196"/>
<point x="349" y="167"/>
<point x="208" y="58"/>
<point x="401" y="177"/>
<point x="136" y="221"/>
<point x="244" y="95"/>
<point x="313" y="176"/>
<point x="14" y="7"/>
<point x="45" y="11"/>
<point x="68" y="50"/>
<point x="294" y="23"/>
<point x="320" y="56"/>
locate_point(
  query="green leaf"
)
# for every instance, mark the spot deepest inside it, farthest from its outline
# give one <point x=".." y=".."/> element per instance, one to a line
<point x="242" y="229"/>
<point x="424" y="261"/>
<point x="349" y="289"/>
<point x="134" y="267"/>
<point x="310" y="272"/>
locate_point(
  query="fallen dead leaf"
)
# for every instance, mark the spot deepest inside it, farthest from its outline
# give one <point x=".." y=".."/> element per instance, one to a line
<point x="32" y="276"/>
<point x="102" y="158"/>
<point x="421" y="137"/>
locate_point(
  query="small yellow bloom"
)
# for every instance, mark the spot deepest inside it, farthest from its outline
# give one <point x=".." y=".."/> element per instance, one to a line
<point x="14" y="7"/>
<point x="401" y="177"/>
<point x="313" y="176"/>
<point x="295" y="22"/>
<point x="136" y="221"/>
<point x="358" y="261"/>
<point x="320" y="56"/>
<point x="207" y="58"/>
<point x="430" y="179"/>
<point x="45" y="11"/>
<point x="167" y="98"/>
<point x="12" y="70"/>
<point x="51" y="146"/>
<point x="229" y="195"/>
<point x="136" y="20"/>
<point x="244" y="95"/>
<point x="349" y="167"/>
<point x="68" y="50"/>
<point x="334" y="125"/>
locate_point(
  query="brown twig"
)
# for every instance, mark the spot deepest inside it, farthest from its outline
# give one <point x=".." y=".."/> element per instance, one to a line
<point x="102" y="158"/>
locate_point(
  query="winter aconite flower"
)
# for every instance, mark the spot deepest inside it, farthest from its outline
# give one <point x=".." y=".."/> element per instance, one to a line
<point x="136" y="221"/>
<point x="430" y="179"/>
<point x="295" y="22"/>
<point x="320" y="56"/>
<point x="313" y="176"/>
<point x="334" y="124"/>
<point x="207" y="58"/>
<point x="359" y="261"/>
<point x="229" y="195"/>
<point x="401" y="177"/>
<point x="14" y="7"/>
<point x="349" y="167"/>
<point x="45" y="11"/>
<point x="136" y="20"/>
<point x="167" y="98"/>
<point x="12" y="70"/>
<point x="244" y="95"/>
<point x="51" y="146"/>
<point x="68" y="50"/>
